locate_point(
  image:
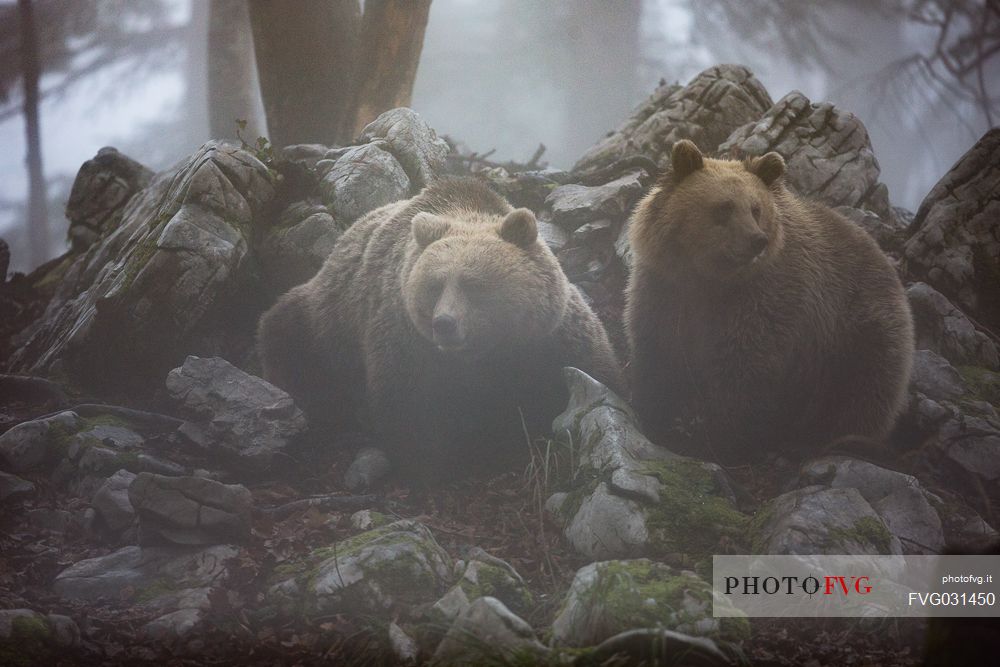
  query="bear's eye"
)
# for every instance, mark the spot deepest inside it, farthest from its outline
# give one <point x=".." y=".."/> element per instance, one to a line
<point x="722" y="213"/>
<point x="473" y="286"/>
<point x="435" y="285"/>
<point x="755" y="211"/>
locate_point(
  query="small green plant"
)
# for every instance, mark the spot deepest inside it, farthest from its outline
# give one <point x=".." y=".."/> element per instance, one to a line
<point x="261" y="149"/>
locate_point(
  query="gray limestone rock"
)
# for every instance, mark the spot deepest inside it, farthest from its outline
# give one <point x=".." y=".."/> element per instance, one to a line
<point x="13" y="488"/>
<point x="239" y="413"/>
<point x="363" y="179"/>
<point x="36" y="638"/>
<point x="943" y="328"/>
<point x="575" y="205"/>
<point x="112" y="504"/>
<point x="888" y="232"/>
<point x="189" y="510"/>
<point x="973" y="443"/>
<point x="816" y="520"/>
<point x="103" y="186"/>
<point x="484" y="575"/>
<point x="706" y="111"/>
<point x="392" y="567"/>
<point x="663" y="647"/>
<point x="293" y="251"/>
<point x="39" y="443"/>
<point x="907" y="509"/>
<point x="166" y="280"/>
<point x="144" y="571"/>
<point x="485" y="632"/>
<point x="610" y="597"/>
<point x="412" y="141"/>
<point x="954" y="245"/>
<point x="910" y="516"/>
<point x="827" y="152"/>
<point x="634" y="498"/>
<point x="935" y="378"/>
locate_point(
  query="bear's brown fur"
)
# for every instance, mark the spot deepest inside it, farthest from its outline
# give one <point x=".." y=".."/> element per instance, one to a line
<point x="443" y="319"/>
<point x="760" y="319"/>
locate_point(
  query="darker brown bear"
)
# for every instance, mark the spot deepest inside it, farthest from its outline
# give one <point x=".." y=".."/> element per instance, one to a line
<point x="444" y="319"/>
<point x="759" y="319"/>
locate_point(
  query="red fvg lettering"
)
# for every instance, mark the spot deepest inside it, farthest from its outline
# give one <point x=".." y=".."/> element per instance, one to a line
<point x="860" y="585"/>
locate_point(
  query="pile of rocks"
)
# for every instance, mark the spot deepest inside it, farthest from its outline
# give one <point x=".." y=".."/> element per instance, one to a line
<point x="182" y="263"/>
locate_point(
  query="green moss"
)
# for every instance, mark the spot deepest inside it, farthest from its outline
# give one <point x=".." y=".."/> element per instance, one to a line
<point x="139" y="258"/>
<point x="583" y="488"/>
<point x="54" y="276"/>
<point x="984" y="385"/>
<point x="157" y="588"/>
<point x="107" y="420"/>
<point x="398" y="577"/>
<point x="755" y="528"/>
<point x="642" y="593"/>
<point x="59" y="437"/>
<point x="866" y="530"/>
<point x="692" y="517"/>
<point x="30" y="642"/>
<point x="494" y="581"/>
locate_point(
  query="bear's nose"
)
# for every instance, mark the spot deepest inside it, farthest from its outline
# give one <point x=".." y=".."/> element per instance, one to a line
<point x="757" y="244"/>
<point x="445" y="329"/>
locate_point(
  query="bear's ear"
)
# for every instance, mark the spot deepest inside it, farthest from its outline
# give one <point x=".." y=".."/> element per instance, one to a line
<point x="519" y="228"/>
<point x="428" y="228"/>
<point x="769" y="168"/>
<point x="685" y="159"/>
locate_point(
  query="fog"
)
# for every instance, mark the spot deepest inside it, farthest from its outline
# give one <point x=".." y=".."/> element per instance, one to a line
<point x="510" y="75"/>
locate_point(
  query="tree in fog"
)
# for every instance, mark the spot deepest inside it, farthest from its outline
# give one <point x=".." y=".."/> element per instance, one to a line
<point x="326" y="70"/>
<point x="957" y="65"/>
<point x="232" y="74"/>
<point x="37" y="220"/>
<point x="47" y="47"/>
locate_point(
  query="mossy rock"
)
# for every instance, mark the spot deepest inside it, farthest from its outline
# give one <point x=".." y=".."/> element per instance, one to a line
<point x="983" y="384"/>
<point x="817" y="520"/>
<point x="30" y="638"/>
<point x="394" y="567"/>
<point x="694" y="516"/>
<point x="610" y="597"/>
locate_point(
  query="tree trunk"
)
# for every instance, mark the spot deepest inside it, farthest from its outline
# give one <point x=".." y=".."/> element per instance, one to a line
<point x="37" y="218"/>
<point x="232" y="74"/>
<point x="305" y="58"/>
<point x="392" y="36"/>
<point x="195" y="107"/>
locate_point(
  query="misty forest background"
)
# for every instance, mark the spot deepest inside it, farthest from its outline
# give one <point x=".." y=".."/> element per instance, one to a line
<point x="156" y="78"/>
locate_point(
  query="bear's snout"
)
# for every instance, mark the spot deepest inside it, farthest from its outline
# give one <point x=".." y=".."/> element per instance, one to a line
<point x="757" y="244"/>
<point x="446" y="331"/>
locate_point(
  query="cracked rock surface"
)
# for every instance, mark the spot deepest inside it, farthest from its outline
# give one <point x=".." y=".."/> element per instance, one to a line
<point x="955" y="241"/>
<point x="103" y="186"/>
<point x="633" y="497"/>
<point x="943" y="328"/>
<point x="233" y="411"/>
<point x="189" y="510"/>
<point x="159" y="284"/>
<point x="827" y="152"/>
<point x="706" y="111"/>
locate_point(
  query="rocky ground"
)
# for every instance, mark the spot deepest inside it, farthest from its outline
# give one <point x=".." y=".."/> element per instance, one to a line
<point x="161" y="503"/>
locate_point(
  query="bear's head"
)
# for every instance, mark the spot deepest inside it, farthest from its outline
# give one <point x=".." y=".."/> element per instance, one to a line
<point x="479" y="281"/>
<point x="717" y="219"/>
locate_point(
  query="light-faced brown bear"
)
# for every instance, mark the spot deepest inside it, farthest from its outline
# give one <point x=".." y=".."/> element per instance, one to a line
<point x="760" y="319"/>
<point x="445" y="320"/>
